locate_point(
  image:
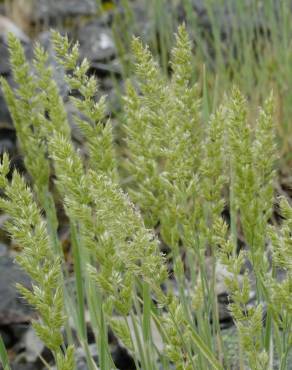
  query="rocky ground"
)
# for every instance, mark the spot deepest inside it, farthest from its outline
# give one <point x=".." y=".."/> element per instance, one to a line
<point x="31" y="20"/>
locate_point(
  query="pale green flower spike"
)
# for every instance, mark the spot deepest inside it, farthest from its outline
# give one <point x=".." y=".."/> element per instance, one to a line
<point x="37" y="258"/>
<point x="107" y="219"/>
<point x="27" y="111"/>
<point x="252" y="164"/>
<point x="36" y="94"/>
<point x="98" y="134"/>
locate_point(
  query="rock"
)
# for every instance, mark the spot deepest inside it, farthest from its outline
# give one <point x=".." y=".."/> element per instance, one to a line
<point x="81" y="358"/>
<point x="112" y="67"/>
<point x="3" y="249"/>
<point x="122" y="359"/>
<point x="13" y="309"/>
<point x="7" y="336"/>
<point x="96" y="42"/>
<point x="7" y="26"/>
<point x="30" y="14"/>
<point x="24" y="366"/>
<point x="7" y="141"/>
<point x="4" y="63"/>
<point x="33" y="345"/>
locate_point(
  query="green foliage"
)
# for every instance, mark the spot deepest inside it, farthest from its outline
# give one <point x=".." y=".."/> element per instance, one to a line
<point x="180" y="166"/>
<point x="237" y="42"/>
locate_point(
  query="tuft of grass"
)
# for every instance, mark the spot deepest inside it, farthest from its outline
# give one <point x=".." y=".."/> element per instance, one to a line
<point x="182" y="158"/>
<point x="247" y="44"/>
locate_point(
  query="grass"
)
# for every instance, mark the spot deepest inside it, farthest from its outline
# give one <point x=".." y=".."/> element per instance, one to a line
<point x="188" y="156"/>
<point x="3" y="355"/>
<point x="254" y="53"/>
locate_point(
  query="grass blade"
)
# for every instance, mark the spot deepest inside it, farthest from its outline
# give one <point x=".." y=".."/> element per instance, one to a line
<point x="3" y="355"/>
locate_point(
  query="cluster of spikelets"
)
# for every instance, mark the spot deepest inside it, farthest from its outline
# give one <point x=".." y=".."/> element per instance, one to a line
<point x="179" y="167"/>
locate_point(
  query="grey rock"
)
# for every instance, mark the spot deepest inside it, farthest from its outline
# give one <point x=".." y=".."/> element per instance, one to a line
<point x="57" y="8"/>
<point x="96" y="42"/>
<point x="3" y="249"/>
<point x="7" y="26"/>
<point x="7" y="140"/>
<point x="34" y="346"/>
<point x="7" y="336"/>
<point x="122" y="358"/>
<point x="24" y="366"/>
<point x="4" y="63"/>
<point x="112" y="67"/>
<point x="81" y="358"/>
<point x="49" y="11"/>
<point x="13" y="309"/>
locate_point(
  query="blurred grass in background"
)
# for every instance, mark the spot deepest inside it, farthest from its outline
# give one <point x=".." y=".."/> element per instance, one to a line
<point x="246" y="43"/>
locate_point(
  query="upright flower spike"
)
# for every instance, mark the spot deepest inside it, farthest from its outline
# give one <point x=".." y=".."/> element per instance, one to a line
<point x="184" y="126"/>
<point x="26" y="110"/>
<point x="265" y="156"/>
<point x="110" y="227"/>
<point x="252" y="176"/>
<point x="50" y="98"/>
<point x="69" y="169"/>
<point x="248" y="319"/>
<point x="96" y="130"/>
<point x="181" y="60"/>
<point x="38" y="260"/>
<point x="212" y="171"/>
<point x="280" y="292"/>
<point x="163" y="131"/>
<point x="145" y="135"/>
<point x="252" y="166"/>
<point x="37" y="109"/>
<point x="150" y="79"/>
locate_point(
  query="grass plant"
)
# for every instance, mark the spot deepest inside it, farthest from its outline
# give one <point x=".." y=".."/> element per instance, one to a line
<point x="247" y="44"/>
<point x="184" y="167"/>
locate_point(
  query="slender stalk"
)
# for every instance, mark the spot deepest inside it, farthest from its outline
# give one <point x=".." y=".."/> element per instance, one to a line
<point x="3" y="355"/>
